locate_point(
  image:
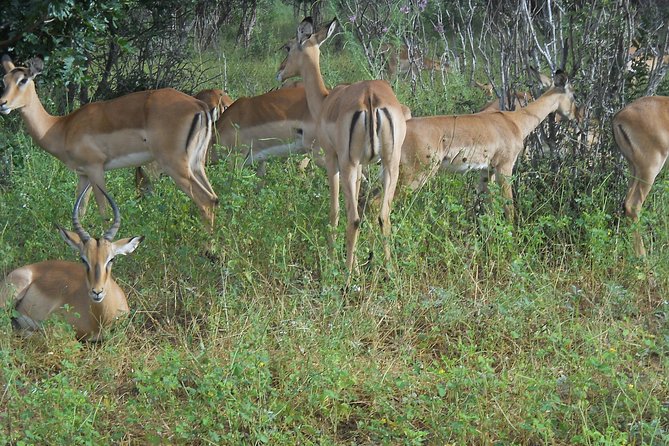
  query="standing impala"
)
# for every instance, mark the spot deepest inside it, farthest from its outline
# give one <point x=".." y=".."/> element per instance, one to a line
<point x="641" y="131"/>
<point x="485" y="141"/>
<point x="166" y="125"/>
<point x="264" y="126"/>
<point x="355" y="125"/>
<point x="85" y="293"/>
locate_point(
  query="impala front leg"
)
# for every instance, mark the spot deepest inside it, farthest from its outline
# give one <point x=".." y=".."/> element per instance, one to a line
<point x="83" y="181"/>
<point x="94" y="176"/>
<point x="502" y="178"/>
<point x="333" y="179"/>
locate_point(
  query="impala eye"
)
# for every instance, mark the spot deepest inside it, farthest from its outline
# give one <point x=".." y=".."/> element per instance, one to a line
<point x="24" y="81"/>
<point x="84" y="262"/>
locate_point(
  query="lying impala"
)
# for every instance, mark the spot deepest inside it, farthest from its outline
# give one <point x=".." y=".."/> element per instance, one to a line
<point x="83" y="293"/>
<point x="489" y="142"/>
<point x="355" y="125"/>
<point x="166" y="125"/>
<point x="641" y="131"/>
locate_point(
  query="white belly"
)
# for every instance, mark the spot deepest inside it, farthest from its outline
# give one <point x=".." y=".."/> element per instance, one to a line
<point x="129" y="160"/>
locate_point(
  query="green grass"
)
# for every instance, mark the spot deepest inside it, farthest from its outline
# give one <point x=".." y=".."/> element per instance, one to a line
<point x="545" y="333"/>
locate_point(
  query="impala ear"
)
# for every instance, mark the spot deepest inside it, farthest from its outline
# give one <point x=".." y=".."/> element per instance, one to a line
<point x="71" y="238"/>
<point x="560" y="79"/>
<point x="304" y="30"/>
<point x="127" y="245"/>
<point x="7" y="63"/>
<point x="324" y="33"/>
<point x="36" y="66"/>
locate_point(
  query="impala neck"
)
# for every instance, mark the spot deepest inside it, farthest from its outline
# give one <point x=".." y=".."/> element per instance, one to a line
<point x="39" y="121"/>
<point x="314" y="86"/>
<point x="529" y="117"/>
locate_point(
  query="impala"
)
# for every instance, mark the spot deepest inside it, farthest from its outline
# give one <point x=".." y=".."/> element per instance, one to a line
<point x="83" y="293"/>
<point x="163" y="125"/>
<point x="637" y="57"/>
<point x="489" y="142"/>
<point x="355" y="125"/>
<point x="217" y="102"/>
<point x="402" y="62"/>
<point x="520" y="98"/>
<point x="265" y="126"/>
<point x="641" y="131"/>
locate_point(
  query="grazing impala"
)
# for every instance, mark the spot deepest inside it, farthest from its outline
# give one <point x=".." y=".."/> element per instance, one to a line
<point x="166" y="125"/>
<point x="217" y="100"/>
<point x="489" y="142"/>
<point x="355" y="125"/>
<point x="83" y="293"/>
<point x="265" y="126"/>
<point x="641" y="131"/>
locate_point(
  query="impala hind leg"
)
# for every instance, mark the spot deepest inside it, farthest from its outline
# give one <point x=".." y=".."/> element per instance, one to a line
<point x="389" y="178"/>
<point x="185" y="180"/>
<point x="351" y="186"/>
<point x="640" y="184"/>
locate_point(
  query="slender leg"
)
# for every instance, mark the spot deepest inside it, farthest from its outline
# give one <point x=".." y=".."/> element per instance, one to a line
<point x="502" y="178"/>
<point x="333" y="178"/>
<point x="83" y="181"/>
<point x="640" y="185"/>
<point x="96" y="176"/>
<point x="390" y="176"/>
<point x="351" y="182"/>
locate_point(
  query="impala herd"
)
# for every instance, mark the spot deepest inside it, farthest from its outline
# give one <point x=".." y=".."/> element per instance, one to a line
<point x="345" y="128"/>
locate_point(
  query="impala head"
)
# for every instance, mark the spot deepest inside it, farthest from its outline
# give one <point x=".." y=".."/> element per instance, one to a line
<point x="567" y="107"/>
<point x="18" y="81"/>
<point x="306" y="45"/>
<point x="97" y="254"/>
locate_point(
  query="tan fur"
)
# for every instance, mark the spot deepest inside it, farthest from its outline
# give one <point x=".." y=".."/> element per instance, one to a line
<point x="486" y="141"/>
<point x="259" y="124"/>
<point x="55" y="284"/>
<point x="217" y="101"/>
<point x="641" y="131"/>
<point x="343" y="118"/>
<point x="401" y="63"/>
<point x="124" y="132"/>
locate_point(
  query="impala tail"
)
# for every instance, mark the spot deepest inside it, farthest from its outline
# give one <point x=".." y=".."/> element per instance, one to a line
<point x="377" y="131"/>
<point x="198" y="139"/>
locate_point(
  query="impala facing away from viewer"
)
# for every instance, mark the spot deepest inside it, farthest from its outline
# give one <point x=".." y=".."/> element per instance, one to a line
<point x="355" y="125"/>
<point x="163" y="125"/>
<point x="485" y="141"/>
<point x="641" y="131"/>
<point x="93" y="299"/>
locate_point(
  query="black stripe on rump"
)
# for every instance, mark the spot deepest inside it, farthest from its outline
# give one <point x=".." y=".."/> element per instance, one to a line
<point x="193" y="125"/>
